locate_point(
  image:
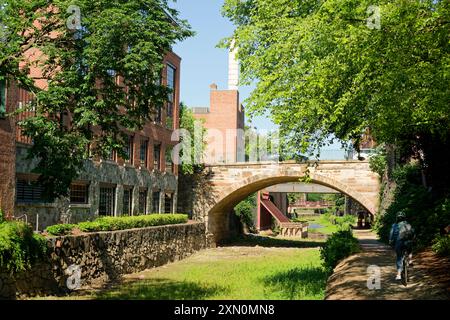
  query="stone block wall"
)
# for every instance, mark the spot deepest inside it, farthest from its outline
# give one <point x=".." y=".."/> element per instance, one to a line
<point x="102" y="257"/>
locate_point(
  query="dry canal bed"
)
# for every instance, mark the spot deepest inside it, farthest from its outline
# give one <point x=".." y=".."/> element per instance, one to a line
<point x="249" y="269"/>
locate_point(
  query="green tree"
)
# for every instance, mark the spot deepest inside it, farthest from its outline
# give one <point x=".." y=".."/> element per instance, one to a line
<point x="378" y="161"/>
<point x="246" y="210"/>
<point x="196" y="140"/>
<point x="81" y="63"/>
<point x="327" y="68"/>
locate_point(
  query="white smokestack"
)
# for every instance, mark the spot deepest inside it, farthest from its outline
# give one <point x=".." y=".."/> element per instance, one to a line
<point x="233" y="68"/>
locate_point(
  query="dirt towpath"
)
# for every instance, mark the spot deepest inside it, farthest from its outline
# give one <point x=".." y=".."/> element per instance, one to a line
<point x="430" y="275"/>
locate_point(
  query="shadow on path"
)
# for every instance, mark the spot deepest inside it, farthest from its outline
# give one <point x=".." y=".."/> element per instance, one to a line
<point x="349" y="280"/>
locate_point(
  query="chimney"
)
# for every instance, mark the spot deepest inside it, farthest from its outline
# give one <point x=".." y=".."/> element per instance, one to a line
<point x="233" y="68"/>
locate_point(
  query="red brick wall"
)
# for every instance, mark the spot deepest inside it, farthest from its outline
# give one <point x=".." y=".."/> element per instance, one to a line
<point x="154" y="132"/>
<point x="9" y="134"/>
<point x="225" y="114"/>
<point x="159" y="133"/>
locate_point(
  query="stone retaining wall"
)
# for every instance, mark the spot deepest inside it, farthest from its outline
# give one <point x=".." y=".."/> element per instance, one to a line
<point x="76" y="262"/>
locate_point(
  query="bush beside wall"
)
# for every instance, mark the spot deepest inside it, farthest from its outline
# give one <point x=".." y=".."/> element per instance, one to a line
<point x="20" y="248"/>
<point x="441" y="245"/>
<point x="337" y="247"/>
<point x="118" y="223"/>
<point x="103" y="256"/>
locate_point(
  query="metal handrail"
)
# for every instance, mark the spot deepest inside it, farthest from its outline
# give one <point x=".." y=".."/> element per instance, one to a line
<point x="20" y="218"/>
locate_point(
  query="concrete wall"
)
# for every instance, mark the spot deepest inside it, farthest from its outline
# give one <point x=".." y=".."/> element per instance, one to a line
<point x="102" y="257"/>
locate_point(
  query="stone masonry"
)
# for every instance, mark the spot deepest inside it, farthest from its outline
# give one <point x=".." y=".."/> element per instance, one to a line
<point x="229" y="184"/>
<point x="102" y="257"/>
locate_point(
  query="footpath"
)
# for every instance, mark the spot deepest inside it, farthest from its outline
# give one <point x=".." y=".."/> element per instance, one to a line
<point x="429" y="277"/>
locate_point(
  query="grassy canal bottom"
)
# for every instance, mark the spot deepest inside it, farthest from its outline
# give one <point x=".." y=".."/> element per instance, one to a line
<point x="248" y="268"/>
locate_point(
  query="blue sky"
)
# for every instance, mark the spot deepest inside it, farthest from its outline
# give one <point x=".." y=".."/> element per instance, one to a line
<point x="202" y="62"/>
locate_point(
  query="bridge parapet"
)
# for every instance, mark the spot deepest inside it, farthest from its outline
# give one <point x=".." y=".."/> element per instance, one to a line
<point x="228" y="184"/>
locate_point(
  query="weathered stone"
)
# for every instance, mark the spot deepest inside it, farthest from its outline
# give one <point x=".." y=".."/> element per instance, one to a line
<point x="223" y="186"/>
<point x="102" y="258"/>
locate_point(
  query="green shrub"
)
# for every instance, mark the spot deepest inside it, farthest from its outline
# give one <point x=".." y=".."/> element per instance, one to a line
<point x="60" y="229"/>
<point x="343" y="222"/>
<point x="337" y="247"/>
<point x="441" y="245"/>
<point x="119" y="223"/>
<point x="245" y="211"/>
<point x="348" y="218"/>
<point x="19" y="246"/>
<point x="344" y="227"/>
<point x="378" y="161"/>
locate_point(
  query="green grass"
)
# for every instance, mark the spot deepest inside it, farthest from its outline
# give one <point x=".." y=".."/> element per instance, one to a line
<point x="324" y="220"/>
<point x="284" y="269"/>
<point x="328" y="227"/>
<point x="287" y="274"/>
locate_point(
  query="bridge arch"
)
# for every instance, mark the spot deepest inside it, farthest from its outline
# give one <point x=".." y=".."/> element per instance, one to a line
<point x="218" y="216"/>
<point x="225" y="185"/>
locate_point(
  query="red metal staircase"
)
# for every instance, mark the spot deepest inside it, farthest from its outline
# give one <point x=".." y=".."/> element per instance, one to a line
<point x="274" y="211"/>
<point x="287" y="228"/>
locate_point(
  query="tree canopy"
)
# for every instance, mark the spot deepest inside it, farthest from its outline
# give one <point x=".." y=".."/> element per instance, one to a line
<point x="336" y="67"/>
<point x="83" y="47"/>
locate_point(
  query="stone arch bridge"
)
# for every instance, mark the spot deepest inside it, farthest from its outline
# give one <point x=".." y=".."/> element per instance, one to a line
<point x="223" y="186"/>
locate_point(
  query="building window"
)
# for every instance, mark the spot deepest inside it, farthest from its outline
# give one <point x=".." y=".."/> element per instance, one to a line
<point x="158" y="114"/>
<point x="168" y="158"/>
<point x="2" y="98"/>
<point x="171" y="73"/>
<point x="143" y="201"/>
<point x="155" y="201"/>
<point x="168" y="201"/>
<point x="79" y="193"/>
<point x="127" y="201"/>
<point x="28" y="192"/>
<point x="111" y="156"/>
<point x="143" y="156"/>
<point x="111" y="72"/>
<point x="107" y="200"/>
<point x="129" y="150"/>
<point x="157" y="156"/>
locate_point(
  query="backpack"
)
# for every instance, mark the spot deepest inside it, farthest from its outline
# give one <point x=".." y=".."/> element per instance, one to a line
<point x="405" y="231"/>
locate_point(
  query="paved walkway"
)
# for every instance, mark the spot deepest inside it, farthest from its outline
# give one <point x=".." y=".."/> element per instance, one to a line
<point x="429" y="276"/>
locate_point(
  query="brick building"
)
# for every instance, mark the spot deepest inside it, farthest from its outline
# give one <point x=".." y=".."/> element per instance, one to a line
<point x="146" y="183"/>
<point x="224" y="120"/>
